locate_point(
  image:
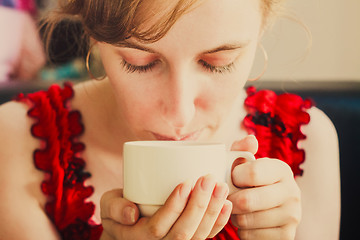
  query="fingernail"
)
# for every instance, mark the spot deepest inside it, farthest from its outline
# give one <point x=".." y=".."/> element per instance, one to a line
<point x="129" y="214"/>
<point x="207" y="183"/>
<point x="185" y="189"/>
<point x="251" y="136"/>
<point x="220" y="191"/>
<point x="227" y="207"/>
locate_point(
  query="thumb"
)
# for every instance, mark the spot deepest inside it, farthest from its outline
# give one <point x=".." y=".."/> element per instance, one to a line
<point x="116" y="208"/>
<point x="249" y="144"/>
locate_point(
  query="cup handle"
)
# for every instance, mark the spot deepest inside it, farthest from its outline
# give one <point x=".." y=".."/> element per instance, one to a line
<point x="232" y="156"/>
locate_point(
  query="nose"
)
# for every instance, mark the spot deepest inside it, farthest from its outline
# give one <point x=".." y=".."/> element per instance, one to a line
<point x="180" y="98"/>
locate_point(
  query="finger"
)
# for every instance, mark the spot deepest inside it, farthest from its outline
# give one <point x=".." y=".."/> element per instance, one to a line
<point x="215" y="206"/>
<point x="249" y="144"/>
<point x="115" y="230"/>
<point x="187" y="224"/>
<point x="275" y="217"/>
<point x="106" y="236"/>
<point x="111" y="229"/>
<point x="261" y="172"/>
<point x="284" y="232"/>
<point x="114" y="207"/>
<point x="222" y="219"/>
<point x="163" y="220"/>
<point x="263" y="198"/>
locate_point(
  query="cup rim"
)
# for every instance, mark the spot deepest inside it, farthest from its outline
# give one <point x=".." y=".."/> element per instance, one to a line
<point x="173" y="144"/>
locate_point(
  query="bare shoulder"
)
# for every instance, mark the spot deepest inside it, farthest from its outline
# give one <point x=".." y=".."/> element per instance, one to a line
<point x="14" y="130"/>
<point x="320" y="130"/>
<point x="320" y="183"/>
<point x="21" y="198"/>
<point x="321" y="147"/>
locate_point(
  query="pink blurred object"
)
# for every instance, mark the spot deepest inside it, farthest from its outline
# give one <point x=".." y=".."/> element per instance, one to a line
<point x="23" y="5"/>
<point x="21" y="49"/>
<point x="11" y="28"/>
<point x="27" y="5"/>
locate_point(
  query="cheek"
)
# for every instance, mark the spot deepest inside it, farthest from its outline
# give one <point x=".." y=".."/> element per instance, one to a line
<point x="219" y="99"/>
<point x="230" y="86"/>
<point x="137" y="105"/>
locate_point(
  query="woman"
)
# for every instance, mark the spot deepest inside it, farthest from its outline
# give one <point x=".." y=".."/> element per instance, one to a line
<point x="175" y="71"/>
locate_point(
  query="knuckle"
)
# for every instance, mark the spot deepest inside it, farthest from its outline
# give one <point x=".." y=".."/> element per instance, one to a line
<point x="201" y="204"/>
<point x="180" y="235"/>
<point x="297" y="193"/>
<point x="212" y="212"/>
<point x="295" y="218"/>
<point x="246" y="201"/>
<point x="294" y="211"/>
<point x="295" y="204"/>
<point x="174" y="207"/>
<point x="156" y="232"/>
<point x="244" y="234"/>
<point x="287" y="233"/>
<point x="253" y="173"/>
<point x="242" y="221"/>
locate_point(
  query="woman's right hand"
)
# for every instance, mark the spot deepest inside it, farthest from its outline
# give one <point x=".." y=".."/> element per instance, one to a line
<point x="188" y="213"/>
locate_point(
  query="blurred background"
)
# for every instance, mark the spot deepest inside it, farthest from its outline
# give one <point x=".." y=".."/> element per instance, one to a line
<point x="335" y="44"/>
<point x="323" y="66"/>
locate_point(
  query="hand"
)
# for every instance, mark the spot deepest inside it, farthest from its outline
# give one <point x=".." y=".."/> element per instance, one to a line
<point x="187" y="214"/>
<point x="267" y="206"/>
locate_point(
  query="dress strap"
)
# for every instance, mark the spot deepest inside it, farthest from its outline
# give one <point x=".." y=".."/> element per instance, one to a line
<point x="59" y="157"/>
<point x="276" y="122"/>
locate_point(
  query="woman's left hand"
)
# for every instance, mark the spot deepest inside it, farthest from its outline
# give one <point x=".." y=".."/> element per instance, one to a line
<point x="267" y="205"/>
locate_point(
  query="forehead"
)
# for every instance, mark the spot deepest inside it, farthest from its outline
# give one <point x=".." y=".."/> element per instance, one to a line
<point x="213" y="23"/>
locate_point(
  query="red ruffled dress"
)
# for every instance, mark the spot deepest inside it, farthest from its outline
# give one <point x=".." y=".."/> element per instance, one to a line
<point x="274" y="119"/>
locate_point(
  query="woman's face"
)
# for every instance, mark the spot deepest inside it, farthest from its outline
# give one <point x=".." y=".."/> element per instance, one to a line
<point x="184" y="86"/>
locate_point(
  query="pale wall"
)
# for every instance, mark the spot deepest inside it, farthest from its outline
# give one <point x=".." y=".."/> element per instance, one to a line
<point x="335" y="51"/>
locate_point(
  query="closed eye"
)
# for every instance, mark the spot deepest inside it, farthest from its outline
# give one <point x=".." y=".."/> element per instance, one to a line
<point x="217" y="69"/>
<point x="130" y="68"/>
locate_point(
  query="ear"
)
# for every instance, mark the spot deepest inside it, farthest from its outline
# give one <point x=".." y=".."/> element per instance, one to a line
<point x="92" y="41"/>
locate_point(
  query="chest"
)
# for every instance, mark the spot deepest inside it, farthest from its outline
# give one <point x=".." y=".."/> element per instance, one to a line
<point x="106" y="174"/>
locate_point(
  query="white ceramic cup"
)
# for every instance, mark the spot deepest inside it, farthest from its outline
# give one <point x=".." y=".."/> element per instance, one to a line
<point x="152" y="169"/>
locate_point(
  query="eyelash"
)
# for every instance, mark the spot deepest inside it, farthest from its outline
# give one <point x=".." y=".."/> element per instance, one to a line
<point x="141" y="69"/>
<point x="217" y="69"/>
<point x="130" y="68"/>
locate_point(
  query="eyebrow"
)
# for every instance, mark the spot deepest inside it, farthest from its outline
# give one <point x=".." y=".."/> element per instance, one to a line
<point x="225" y="47"/>
<point x="128" y="44"/>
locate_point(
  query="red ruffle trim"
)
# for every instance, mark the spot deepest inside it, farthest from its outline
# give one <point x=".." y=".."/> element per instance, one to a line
<point x="274" y="119"/>
<point x="59" y="157"/>
<point x="276" y="122"/>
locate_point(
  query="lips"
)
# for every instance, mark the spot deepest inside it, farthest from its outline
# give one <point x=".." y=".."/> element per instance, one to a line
<point x="188" y="137"/>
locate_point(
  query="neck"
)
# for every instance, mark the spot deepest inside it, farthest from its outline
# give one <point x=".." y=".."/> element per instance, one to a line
<point x="96" y="103"/>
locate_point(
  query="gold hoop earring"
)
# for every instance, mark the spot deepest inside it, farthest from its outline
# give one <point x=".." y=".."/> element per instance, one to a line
<point x="88" y="65"/>
<point x="265" y="64"/>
